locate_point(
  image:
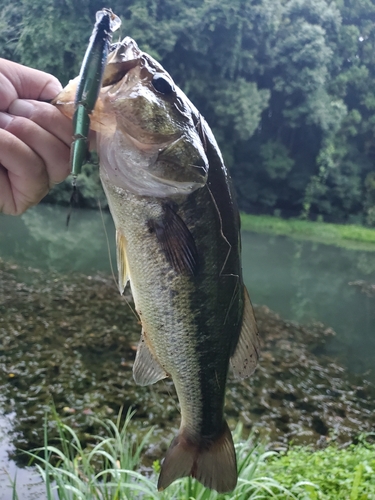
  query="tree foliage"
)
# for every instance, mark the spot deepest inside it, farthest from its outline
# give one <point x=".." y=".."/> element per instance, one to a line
<point x="288" y="86"/>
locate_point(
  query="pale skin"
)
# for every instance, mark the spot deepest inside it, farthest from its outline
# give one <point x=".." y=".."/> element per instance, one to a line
<point x="35" y="137"/>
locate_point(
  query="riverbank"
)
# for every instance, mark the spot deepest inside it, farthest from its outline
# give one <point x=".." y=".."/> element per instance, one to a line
<point x="347" y="236"/>
<point x="72" y="339"/>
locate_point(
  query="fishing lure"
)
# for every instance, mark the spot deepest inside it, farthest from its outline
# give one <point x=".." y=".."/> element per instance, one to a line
<point x="90" y="82"/>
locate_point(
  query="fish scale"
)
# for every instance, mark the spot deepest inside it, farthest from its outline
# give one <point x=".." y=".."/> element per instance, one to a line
<point x="170" y="325"/>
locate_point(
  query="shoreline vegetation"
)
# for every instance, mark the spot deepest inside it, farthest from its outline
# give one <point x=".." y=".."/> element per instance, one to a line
<point x="111" y="469"/>
<point x="353" y="237"/>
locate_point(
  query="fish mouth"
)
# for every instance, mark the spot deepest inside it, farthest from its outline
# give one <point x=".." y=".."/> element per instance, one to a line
<point x="126" y="50"/>
<point x="123" y="57"/>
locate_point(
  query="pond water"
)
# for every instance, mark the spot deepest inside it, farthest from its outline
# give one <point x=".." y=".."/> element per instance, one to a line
<point x="305" y="281"/>
<point x="302" y="281"/>
<point x="28" y="483"/>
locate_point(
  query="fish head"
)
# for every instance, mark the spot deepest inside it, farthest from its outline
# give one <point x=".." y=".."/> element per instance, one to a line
<point x="143" y="96"/>
<point x="148" y="137"/>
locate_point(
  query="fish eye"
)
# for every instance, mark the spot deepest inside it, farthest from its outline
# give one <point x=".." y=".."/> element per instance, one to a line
<point x="162" y="84"/>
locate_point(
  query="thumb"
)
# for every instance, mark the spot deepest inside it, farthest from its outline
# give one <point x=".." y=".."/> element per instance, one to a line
<point x="51" y="89"/>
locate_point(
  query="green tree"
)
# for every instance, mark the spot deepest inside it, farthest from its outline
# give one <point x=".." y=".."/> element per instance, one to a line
<point x="288" y="86"/>
<point x="346" y="158"/>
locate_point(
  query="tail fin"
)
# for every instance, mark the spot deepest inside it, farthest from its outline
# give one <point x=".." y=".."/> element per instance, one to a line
<point x="213" y="463"/>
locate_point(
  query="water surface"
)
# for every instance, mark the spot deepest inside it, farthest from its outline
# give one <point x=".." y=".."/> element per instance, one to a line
<point x="306" y="281"/>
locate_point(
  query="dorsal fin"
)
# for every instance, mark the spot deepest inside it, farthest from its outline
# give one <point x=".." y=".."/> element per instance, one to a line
<point x="246" y="355"/>
<point x="121" y="261"/>
<point x="146" y="369"/>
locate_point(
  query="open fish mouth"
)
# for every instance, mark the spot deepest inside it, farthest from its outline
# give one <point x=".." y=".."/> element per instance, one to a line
<point x="123" y="57"/>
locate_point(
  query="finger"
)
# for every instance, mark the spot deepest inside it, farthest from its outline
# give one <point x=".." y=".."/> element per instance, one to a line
<point x="54" y="153"/>
<point x="45" y="115"/>
<point x="28" y="83"/>
<point x="7" y="92"/>
<point x="7" y="203"/>
<point x="23" y="177"/>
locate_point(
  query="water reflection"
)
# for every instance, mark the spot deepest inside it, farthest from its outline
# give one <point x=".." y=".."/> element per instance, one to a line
<point x="28" y="482"/>
<point x="306" y="281"/>
<point x="40" y="238"/>
<point x="302" y="281"/>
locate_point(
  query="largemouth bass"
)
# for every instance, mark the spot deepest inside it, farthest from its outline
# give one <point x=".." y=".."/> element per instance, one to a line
<point x="178" y="244"/>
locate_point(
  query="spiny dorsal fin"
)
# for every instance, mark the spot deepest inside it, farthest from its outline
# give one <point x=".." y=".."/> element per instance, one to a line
<point x="121" y="261"/>
<point x="146" y="369"/>
<point x="176" y="242"/>
<point x="212" y="462"/>
<point x="246" y="355"/>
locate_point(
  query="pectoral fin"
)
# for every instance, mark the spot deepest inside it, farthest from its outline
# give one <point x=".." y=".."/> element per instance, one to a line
<point x="146" y="369"/>
<point x="176" y="241"/>
<point x="246" y="355"/>
<point x="121" y="261"/>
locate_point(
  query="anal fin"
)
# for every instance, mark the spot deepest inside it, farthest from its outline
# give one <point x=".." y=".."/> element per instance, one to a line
<point x="146" y="369"/>
<point x="121" y="261"/>
<point x="246" y="354"/>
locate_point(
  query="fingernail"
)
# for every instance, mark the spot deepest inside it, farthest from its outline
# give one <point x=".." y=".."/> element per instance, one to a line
<point x="21" y="107"/>
<point x="5" y="119"/>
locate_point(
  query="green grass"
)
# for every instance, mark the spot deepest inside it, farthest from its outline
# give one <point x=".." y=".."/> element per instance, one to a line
<point x="348" y="236"/>
<point x="110" y="470"/>
<point x="107" y="471"/>
<point x="345" y="474"/>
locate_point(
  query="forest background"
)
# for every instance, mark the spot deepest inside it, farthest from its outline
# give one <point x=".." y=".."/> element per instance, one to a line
<point x="288" y="87"/>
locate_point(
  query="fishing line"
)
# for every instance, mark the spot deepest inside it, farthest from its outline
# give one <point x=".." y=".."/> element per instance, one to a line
<point x="108" y="245"/>
<point x="111" y="263"/>
<point x="221" y="231"/>
<point x="73" y="200"/>
<point x="226" y="258"/>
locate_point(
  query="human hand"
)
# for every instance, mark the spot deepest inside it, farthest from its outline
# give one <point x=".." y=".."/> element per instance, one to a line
<point x="35" y="137"/>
